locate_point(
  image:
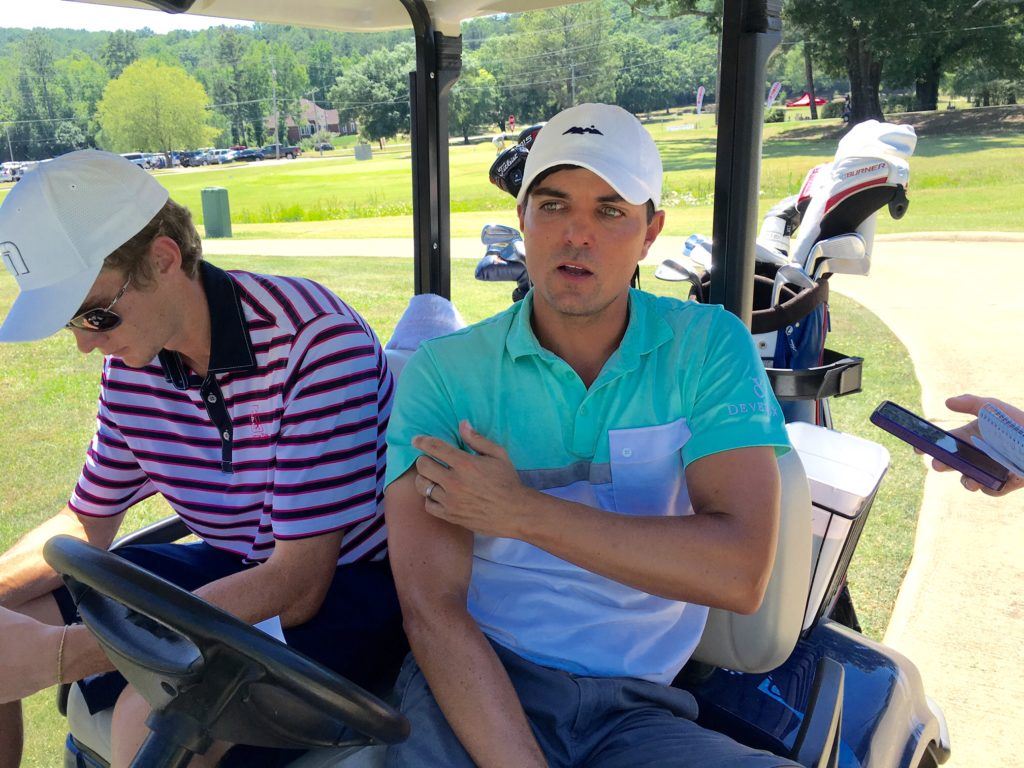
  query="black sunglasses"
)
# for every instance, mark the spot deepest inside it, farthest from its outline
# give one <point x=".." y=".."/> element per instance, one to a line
<point x="99" y="320"/>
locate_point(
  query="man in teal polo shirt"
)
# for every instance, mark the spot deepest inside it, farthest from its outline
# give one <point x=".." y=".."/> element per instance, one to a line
<point x="572" y="482"/>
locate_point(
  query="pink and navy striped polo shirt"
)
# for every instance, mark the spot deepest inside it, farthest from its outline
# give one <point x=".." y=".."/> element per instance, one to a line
<point x="283" y="439"/>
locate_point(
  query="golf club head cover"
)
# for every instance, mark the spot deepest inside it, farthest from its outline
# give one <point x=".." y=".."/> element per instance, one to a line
<point x="506" y="171"/>
<point x="527" y="135"/>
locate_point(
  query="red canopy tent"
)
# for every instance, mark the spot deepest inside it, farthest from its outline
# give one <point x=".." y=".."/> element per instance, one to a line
<point x="805" y="101"/>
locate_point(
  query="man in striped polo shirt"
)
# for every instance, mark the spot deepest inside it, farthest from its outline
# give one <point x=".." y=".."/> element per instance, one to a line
<point x="572" y="482"/>
<point x="255" y="405"/>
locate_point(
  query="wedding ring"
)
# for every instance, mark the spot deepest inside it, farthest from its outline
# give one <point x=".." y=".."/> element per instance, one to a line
<point x="430" y="490"/>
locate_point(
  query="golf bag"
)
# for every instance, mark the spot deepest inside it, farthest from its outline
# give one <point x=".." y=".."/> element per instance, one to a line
<point x="833" y="219"/>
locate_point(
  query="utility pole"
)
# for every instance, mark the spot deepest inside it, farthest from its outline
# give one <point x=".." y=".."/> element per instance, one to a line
<point x="277" y="115"/>
<point x="316" y="109"/>
<point x="572" y="75"/>
<point x="7" y="130"/>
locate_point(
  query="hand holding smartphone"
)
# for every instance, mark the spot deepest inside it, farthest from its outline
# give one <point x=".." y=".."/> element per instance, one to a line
<point x="940" y="444"/>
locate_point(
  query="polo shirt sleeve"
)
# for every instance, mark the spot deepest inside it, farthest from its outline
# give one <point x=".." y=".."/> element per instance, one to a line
<point x="423" y="406"/>
<point x="326" y="470"/>
<point x="733" y="403"/>
<point x="111" y="479"/>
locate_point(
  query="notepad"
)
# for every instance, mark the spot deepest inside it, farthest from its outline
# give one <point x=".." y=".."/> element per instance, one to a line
<point x="1002" y="438"/>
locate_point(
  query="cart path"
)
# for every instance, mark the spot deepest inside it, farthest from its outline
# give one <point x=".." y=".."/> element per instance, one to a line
<point x="960" y="614"/>
<point x="956" y="300"/>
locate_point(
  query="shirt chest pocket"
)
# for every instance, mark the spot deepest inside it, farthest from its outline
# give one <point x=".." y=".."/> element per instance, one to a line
<point x="647" y="469"/>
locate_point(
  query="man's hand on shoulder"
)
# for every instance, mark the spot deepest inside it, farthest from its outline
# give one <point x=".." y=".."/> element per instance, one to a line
<point x="481" y="492"/>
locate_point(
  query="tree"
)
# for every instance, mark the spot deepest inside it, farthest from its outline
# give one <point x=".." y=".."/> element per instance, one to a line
<point x="375" y="92"/>
<point x="649" y="75"/>
<point x="322" y="66"/>
<point x="945" y="35"/>
<point x="39" y="59"/>
<point x="855" y="35"/>
<point x="120" y="50"/>
<point x="473" y="101"/>
<point x="268" y="72"/>
<point x="564" y="56"/>
<point x="82" y="79"/>
<point x="154" y="108"/>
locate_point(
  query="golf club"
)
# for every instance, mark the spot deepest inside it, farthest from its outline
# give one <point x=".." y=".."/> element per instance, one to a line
<point x="849" y="249"/>
<point x="498" y="233"/>
<point x="766" y="255"/>
<point x="674" y="272"/>
<point x="790" y="274"/>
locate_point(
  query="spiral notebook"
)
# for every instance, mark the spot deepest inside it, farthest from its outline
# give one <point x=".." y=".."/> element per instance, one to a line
<point x="1001" y="438"/>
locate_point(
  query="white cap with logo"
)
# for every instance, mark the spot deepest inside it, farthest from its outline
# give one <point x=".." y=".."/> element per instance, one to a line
<point x="604" y="139"/>
<point x="58" y="225"/>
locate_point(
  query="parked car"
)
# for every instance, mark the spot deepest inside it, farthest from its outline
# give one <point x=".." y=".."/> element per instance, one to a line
<point x="155" y="160"/>
<point x="324" y="146"/>
<point x="138" y="158"/>
<point x="272" y="151"/>
<point x="249" y="155"/>
<point x="222" y="156"/>
<point x="194" y="158"/>
<point x="10" y="171"/>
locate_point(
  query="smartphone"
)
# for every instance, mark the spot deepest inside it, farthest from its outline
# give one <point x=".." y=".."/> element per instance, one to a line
<point x="950" y="450"/>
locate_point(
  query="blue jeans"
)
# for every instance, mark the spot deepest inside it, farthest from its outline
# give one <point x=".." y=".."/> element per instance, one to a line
<point x="584" y="722"/>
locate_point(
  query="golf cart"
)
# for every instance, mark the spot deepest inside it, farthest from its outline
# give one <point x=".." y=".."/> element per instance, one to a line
<point x="786" y="678"/>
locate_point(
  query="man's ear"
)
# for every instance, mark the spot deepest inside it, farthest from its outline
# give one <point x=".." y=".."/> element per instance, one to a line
<point x="521" y="213"/>
<point x="654" y="228"/>
<point x="165" y="254"/>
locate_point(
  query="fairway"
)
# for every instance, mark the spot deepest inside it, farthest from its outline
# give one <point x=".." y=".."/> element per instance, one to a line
<point x="957" y="183"/>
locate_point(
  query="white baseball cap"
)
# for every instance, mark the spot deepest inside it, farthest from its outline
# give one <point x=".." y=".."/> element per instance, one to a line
<point x="604" y="139"/>
<point x="58" y="225"/>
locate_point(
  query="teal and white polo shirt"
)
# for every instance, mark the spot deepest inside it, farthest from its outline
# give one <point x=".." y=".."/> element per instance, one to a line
<point x="685" y="382"/>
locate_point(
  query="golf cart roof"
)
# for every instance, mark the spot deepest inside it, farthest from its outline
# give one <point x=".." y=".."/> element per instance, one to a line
<point x="354" y="15"/>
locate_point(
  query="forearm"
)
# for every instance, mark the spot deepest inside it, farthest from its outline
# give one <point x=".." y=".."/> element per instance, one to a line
<point x="708" y="558"/>
<point x="291" y="584"/>
<point x="258" y="593"/>
<point x="475" y="693"/>
<point x="25" y="575"/>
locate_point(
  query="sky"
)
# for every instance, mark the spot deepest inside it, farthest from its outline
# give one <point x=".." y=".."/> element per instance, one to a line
<point x="62" y="14"/>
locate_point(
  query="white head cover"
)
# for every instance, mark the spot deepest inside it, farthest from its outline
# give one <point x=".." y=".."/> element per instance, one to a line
<point x="57" y="226"/>
<point x="604" y="139"/>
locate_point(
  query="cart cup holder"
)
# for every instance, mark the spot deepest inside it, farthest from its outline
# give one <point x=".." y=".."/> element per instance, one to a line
<point x="208" y="675"/>
<point x="837" y="375"/>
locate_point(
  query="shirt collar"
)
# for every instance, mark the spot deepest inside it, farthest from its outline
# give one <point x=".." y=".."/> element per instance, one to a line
<point x="646" y="330"/>
<point x="230" y="345"/>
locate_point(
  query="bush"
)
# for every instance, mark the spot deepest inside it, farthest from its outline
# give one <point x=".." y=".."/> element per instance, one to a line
<point x="775" y="115"/>
<point x="832" y="109"/>
<point x="899" y="103"/>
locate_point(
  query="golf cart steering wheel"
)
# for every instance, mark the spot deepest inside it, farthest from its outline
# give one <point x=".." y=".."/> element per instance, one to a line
<point x="208" y="675"/>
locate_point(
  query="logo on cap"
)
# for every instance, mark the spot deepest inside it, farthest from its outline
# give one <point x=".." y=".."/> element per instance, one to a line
<point x="576" y="129"/>
<point x="13" y="259"/>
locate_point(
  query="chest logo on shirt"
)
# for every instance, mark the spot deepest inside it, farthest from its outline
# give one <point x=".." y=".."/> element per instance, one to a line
<point x="256" y="424"/>
<point x="761" y="402"/>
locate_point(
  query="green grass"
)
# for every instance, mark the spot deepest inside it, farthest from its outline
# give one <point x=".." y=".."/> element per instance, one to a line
<point x="957" y="183"/>
<point x="887" y="543"/>
<point x="50" y="395"/>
